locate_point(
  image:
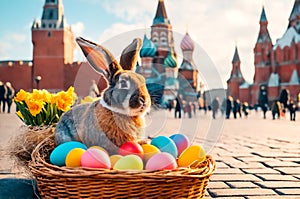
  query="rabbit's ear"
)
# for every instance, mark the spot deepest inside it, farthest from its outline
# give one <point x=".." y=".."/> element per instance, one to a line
<point x="130" y="55"/>
<point x="99" y="57"/>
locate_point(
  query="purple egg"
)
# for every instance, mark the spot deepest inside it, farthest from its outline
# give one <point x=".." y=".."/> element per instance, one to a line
<point x="181" y="141"/>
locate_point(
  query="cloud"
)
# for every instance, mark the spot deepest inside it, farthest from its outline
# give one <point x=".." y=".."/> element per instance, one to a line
<point x="78" y="28"/>
<point x="17" y="37"/>
<point x="130" y="10"/>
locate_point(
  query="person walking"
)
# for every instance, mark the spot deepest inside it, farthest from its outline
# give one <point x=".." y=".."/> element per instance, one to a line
<point x="229" y="106"/>
<point x="276" y="109"/>
<point x="178" y="106"/>
<point x="245" y="109"/>
<point x="3" y="93"/>
<point x="215" y="107"/>
<point x="292" y="108"/>
<point x="9" y="95"/>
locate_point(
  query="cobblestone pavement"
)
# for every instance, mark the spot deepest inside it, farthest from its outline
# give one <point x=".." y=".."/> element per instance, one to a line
<point x="255" y="158"/>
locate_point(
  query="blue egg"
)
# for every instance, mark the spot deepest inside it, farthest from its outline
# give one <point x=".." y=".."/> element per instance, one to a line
<point x="59" y="154"/>
<point x="165" y="144"/>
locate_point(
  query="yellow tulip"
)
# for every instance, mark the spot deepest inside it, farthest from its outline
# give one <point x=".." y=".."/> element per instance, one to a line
<point x="34" y="106"/>
<point x="21" y="96"/>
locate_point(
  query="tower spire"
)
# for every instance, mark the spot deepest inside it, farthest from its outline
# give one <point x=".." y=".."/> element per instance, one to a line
<point x="53" y="15"/>
<point x="295" y="14"/>
<point x="263" y="16"/>
<point x="263" y="35"/>
<point x="161" y="14"/>
<point x="236" y="57"/>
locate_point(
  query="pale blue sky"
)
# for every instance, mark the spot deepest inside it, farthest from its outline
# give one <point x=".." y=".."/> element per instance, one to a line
<point x="214" y="25"/>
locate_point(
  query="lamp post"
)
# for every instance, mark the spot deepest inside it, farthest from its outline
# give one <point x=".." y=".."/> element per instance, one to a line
<point x="37" y="80"/>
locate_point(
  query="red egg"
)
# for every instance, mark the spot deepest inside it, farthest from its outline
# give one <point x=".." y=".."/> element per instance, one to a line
<point x="129" y="148"/>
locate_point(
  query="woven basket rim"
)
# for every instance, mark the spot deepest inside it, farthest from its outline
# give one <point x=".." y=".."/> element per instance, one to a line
<point x="40" y="166"/>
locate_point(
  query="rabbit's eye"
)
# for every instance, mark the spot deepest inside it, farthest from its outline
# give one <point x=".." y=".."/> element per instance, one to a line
<point x="123" y="84"/>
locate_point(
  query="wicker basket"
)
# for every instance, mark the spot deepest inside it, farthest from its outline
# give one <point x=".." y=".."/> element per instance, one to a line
<point x="64" y="182"/>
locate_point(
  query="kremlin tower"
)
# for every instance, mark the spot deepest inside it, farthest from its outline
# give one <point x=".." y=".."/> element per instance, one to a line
<point x="236" y="78"/>
<point x="53" y="46"/>
<point x="277" y="67"/>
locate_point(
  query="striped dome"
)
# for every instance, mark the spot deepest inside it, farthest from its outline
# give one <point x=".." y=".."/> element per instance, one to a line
<point x="187" y="43"/>
<point x="148" y="48"/>
<point x="170" y="61"/>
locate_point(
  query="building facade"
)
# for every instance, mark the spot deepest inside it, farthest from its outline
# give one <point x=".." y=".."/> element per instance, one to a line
<point x="277" y="66"/>
<point x="159" y="63"/>
<point x="53" y="68"/>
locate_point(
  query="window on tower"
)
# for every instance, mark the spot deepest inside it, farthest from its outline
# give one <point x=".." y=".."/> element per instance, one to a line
<point x="51" y="14"/>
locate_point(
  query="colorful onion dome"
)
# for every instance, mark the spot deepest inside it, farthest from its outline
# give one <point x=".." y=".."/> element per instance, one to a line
<point x="170" y="60"/>
<point x="148" y="48"/>
<point x="187" y="43"/>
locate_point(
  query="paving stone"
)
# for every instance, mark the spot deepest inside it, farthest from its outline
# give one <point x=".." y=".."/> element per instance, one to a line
<point x="242" y="185"/>
<point x="261" y="170"/>
<point x="279" y="163"/>
<point x="279" y="184"/>
<point x="218" y="185"/>
<point x="289" y="170"/>
<point x="234" y="177"/>
<point x="273" y="154"/>
<point x="241" y="192"/>
<point x="251" y="165"/>
<point x="296" y="160"/>
<point x="297" y="176"/>
<point x="276" y="177"/>
<point x="221" y="165"/>
<point x="228" y="171"/>
<point x="252" y="159"/>
<point x="289" y="191"/>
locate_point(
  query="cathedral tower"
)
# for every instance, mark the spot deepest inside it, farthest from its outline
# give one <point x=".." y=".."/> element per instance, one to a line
<point x="187" y="70"/>
<point x="236" y="77"/>
<point x="53" y="46"/>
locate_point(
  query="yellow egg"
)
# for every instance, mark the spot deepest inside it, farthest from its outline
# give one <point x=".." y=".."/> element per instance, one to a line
<point x="99" y="147"/>
<point x="114" y="159"/>
<point x="129" y="162"/>
<point x="149" y="151"/>
<point x="74" y="157"/>
<point x="191" y="154"/>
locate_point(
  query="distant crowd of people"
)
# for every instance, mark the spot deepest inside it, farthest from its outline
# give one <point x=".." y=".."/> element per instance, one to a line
<point x="7" y="93"/>
<point x="233" y="108"/>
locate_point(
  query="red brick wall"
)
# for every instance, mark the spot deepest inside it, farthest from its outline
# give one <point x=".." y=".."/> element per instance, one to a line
<point x="18" y="73"/>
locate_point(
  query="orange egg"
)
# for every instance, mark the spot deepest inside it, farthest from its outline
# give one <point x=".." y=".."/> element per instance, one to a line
<point x="149" y="151"/>
<point x="74" y="157"/>
<point x="191" y="154"/>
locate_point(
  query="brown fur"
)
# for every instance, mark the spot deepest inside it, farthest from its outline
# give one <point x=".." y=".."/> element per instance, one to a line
<point x="117" y="127"/>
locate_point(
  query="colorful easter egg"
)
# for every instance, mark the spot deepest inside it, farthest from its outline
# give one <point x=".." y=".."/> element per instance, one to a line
<point x="149" y="151"/>
<point x="161" y="161"/>
<point x="73" y="158"/>
<point x="59" y="154"/>
<point x="191" y="154"/>
<point x="114" y="159"/>
<point x="165" y="144"/>
<point x="182" y="142"/>
<point x="95" y="158"/>
<point x="129" y="162"/>
<point x="131" y="148"/>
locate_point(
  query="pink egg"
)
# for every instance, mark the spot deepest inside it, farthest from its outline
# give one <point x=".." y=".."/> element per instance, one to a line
<point x="95" y="158"/>
<point x="182" y="142"/>
<point x="161" y="161"/>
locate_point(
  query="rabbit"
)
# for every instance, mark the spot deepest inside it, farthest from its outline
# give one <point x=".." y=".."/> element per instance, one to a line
<point x="119" y="115"/>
